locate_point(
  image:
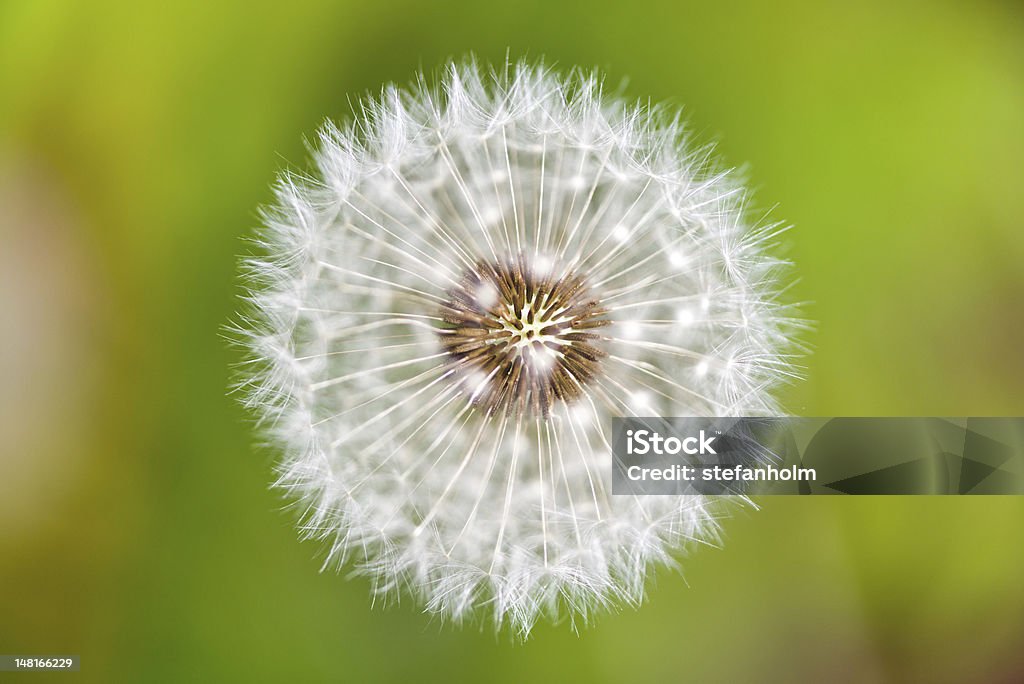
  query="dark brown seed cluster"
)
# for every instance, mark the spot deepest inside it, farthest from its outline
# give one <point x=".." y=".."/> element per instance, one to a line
<point x="522" y="338"/>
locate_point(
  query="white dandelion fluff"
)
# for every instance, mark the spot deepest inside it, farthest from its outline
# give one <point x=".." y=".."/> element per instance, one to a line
<point x="474" y="280"/>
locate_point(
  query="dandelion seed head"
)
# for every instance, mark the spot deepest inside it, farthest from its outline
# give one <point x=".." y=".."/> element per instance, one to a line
<point x="476" y="277"/>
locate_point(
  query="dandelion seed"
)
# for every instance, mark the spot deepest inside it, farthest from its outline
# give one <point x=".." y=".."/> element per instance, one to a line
<point x="477" y="277"/>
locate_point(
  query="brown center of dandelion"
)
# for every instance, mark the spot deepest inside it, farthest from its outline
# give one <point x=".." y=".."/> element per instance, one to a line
<point x="522" y="337"/>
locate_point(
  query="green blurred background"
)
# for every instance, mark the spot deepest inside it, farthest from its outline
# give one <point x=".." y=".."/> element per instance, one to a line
<point x="137" y="141"/>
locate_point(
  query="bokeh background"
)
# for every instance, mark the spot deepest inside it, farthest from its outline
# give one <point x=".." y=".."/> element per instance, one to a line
<point x="137" y="141"/>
